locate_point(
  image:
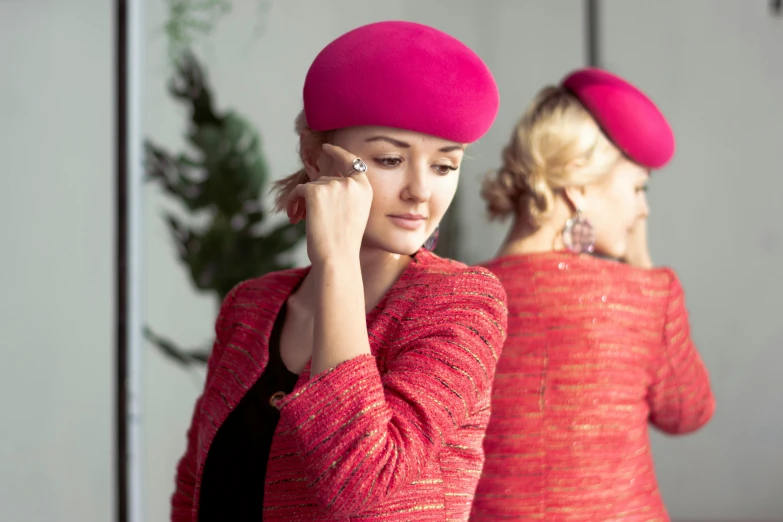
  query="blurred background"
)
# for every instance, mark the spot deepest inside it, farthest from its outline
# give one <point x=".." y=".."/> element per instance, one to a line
<point x="715" y="67"/>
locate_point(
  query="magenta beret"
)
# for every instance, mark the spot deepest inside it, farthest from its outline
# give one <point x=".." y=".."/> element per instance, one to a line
<point x="627" y="116"/>
<point x="403" y="75"/>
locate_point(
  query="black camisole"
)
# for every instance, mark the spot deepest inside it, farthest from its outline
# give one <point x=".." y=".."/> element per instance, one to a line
<point x="232" y="485"/>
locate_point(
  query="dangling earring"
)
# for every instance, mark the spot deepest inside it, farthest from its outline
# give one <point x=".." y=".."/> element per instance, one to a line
<point x="432" y="241"/>
<point x="579" y="234"/>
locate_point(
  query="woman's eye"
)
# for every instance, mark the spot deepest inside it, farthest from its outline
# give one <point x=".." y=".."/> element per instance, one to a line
<point x="389" y="162"/>
<point x="641" y="189"/>
<point x="445" y="169"/>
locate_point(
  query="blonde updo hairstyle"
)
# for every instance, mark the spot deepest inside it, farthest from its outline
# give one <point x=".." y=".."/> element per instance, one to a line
<point x="310" y="142"/>
<point x="556" y="144"/>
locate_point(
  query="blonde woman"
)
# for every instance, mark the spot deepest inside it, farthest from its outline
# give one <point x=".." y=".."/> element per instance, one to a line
<point x="597" y="348"/>
<point x="358" y="388"/>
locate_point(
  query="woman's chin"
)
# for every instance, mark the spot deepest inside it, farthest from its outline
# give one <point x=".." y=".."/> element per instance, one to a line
<point x="404" y="246"/>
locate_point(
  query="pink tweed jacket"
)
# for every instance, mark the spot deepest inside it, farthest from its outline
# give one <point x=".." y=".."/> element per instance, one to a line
<point x="396" y="435"/>
<point x="596" y="352"/>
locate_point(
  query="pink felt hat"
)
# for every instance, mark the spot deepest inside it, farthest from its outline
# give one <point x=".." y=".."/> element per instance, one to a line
<point x="627" y="116"/>
<point x="403" y="75"/>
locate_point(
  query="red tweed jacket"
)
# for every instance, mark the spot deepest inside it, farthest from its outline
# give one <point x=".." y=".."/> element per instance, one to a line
<point x="596" y="350"/>
<point x="391" y="436"/>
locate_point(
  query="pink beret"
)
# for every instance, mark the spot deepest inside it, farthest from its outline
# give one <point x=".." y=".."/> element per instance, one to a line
<point x="403" y="75"/>
<point x="627" y="116"/>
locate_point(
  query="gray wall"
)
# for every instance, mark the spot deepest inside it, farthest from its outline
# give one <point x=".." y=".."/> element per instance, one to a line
<point x="56" y="261"/>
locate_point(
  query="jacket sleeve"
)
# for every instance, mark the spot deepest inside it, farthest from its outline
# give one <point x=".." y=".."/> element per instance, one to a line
<point x="185" y="480"/>
<point x="362" y="434"/>
<point x="680" y="397"/>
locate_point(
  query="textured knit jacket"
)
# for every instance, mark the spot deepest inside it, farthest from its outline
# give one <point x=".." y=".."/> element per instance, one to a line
<point x="596" y="351"/>
<point x="396" y="435"/>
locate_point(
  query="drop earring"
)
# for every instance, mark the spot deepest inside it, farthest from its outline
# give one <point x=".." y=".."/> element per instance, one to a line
<point x="579" y="234"/>
<point x="432" y="241"/>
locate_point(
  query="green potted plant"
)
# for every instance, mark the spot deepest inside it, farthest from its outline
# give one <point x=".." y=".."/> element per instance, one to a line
<point x="220" y="182"/>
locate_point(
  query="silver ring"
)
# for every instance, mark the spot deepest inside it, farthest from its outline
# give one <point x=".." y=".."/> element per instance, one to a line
<point x="358" y="166"/>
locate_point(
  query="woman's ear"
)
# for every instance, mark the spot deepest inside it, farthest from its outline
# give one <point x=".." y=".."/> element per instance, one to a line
<point x="309" y="152"/>
<point x="576" y="196"/>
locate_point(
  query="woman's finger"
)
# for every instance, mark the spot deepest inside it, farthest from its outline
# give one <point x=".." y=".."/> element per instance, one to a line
<point x="295" y="204"/>
<point x="343" y="160"/>
<point x="323" y="180"/>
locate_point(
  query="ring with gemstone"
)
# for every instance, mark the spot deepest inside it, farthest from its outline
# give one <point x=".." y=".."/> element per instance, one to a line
<point x="358" y="166"/>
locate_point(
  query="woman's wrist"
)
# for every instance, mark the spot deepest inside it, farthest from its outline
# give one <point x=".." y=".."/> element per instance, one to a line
<point x="340" y="328"/>
<point x="336" y="266"/>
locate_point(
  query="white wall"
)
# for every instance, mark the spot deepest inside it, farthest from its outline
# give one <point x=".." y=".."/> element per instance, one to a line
<point x="56" y="267"/>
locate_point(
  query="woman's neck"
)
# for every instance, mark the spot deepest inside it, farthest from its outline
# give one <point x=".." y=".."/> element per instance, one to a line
<point x="526" y="239"/>
<point x="380" y="270"/>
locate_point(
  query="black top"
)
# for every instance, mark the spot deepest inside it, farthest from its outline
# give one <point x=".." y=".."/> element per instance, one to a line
<point x="232" y="486"/>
